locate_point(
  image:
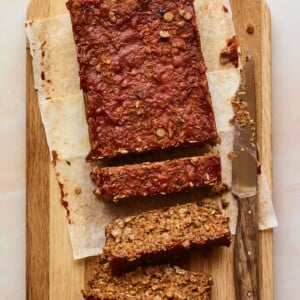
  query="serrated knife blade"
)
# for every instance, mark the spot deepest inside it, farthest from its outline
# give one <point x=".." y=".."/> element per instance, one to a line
<point x="244" y="166"/>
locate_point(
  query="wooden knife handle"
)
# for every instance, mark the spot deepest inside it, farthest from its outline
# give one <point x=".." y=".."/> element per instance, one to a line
<point x="246" y="255"/>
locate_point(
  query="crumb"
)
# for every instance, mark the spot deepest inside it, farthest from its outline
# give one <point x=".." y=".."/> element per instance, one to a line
<point x="78" y="190"/>
<point x="232" y="155"/>
<point x="225" y="56"/>
<point x="54" y="157"/>
<point x="62" y="193"/>
<point x="219" y="189"/>
<point x="250" y="28"/>
<point x="225" y="9"/>
<point x="29" y="23"/>
<point x="64" y="203"/>
<point x="218" y="140"/>
<point x="43" y="75"/>
<point x="97" y="192"/>
<point x="229" y="54"/>
<point x="68" y="163"/>
<point x="225" y="203"/>
<point x="240" y="93"/>
<point x="232" y="45"/>
<point x="259" y="168"/>
<point x="240" y="108"/>
<point x="232" y="121"/>
<point x="248" y="58"/>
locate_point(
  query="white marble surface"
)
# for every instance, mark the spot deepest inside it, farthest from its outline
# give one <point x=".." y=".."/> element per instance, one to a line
<point x="286" y="148"/>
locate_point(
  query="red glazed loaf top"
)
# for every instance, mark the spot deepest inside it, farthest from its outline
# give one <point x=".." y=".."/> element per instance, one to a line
<point x="143" y="75"/>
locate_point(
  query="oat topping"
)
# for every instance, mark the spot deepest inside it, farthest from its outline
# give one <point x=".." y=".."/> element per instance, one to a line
<point x="168" y="17"/>
<point x="181" y="23"/>
<point x="159" y="235"/>
<point x="187" y="16"/>
<point x="164" y="34"/>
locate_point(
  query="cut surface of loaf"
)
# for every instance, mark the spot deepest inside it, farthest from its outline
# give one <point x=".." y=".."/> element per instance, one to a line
<point x="152" y="282"/>
<point x="162" y="235"/>
<point x="147" y="179"/>
<point x="143" y="75"/>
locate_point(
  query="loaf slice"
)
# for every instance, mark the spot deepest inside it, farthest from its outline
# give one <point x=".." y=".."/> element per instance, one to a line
<point x="162" y="235"/>
<point x="165" y="177"/>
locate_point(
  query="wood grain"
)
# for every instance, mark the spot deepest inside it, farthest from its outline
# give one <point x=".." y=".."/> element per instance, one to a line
<point x="37" y="195"/>
<point x="51" y="272"/>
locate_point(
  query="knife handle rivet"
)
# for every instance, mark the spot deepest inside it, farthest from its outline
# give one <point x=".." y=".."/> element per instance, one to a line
<point x="249" y="212"/>
<point x="249" y="294"/>
<point x="249" y="253"/>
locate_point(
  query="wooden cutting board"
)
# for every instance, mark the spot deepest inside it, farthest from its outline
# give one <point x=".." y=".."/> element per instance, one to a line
<point x="51" y="272"/>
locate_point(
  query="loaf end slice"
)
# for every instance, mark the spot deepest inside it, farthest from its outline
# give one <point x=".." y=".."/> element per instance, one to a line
<point x="152" y="282"/>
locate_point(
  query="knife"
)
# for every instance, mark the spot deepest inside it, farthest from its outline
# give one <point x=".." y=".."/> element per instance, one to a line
<point x="244" y="188"/>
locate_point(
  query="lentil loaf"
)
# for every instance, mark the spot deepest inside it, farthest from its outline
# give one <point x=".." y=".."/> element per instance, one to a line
<point x="143" y="75"/>
<point x="153" y="282"/>
<point x="162" y="235"/>
<point x="114" y="183"/>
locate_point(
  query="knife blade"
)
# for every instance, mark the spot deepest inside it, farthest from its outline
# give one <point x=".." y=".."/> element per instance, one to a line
<point x="244" y="188"/>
